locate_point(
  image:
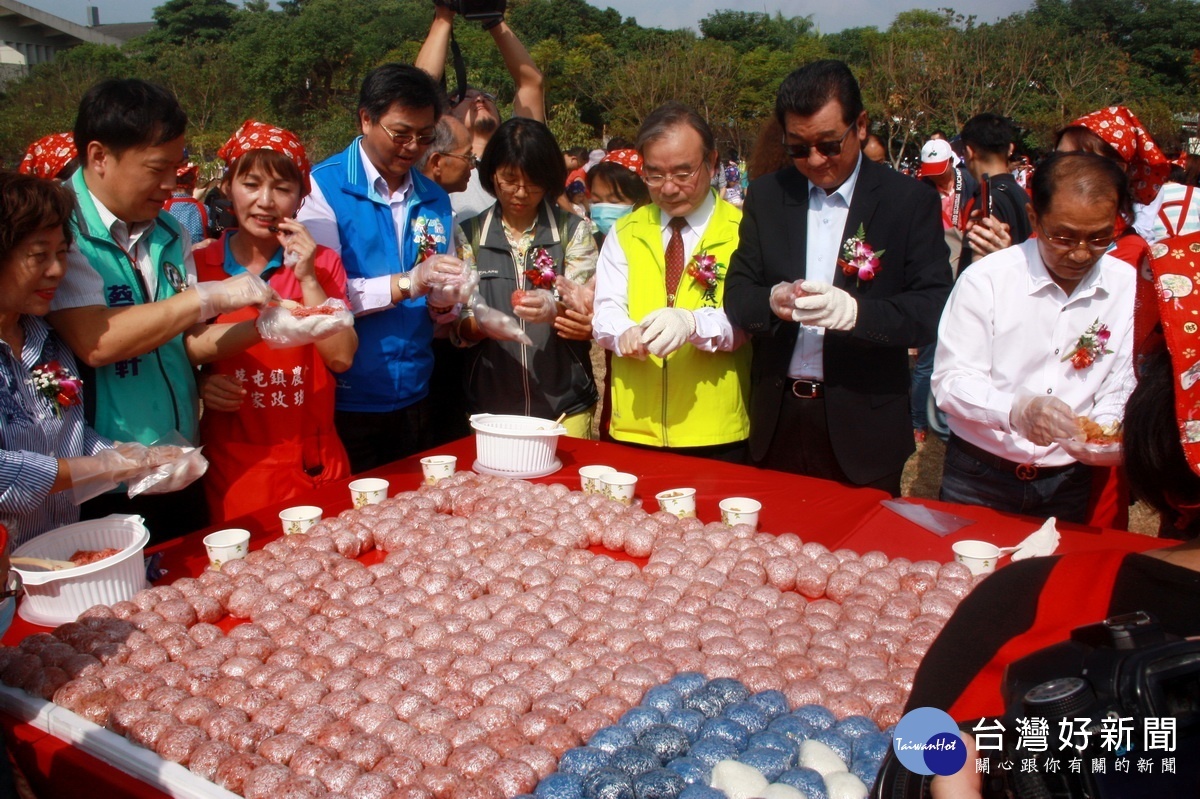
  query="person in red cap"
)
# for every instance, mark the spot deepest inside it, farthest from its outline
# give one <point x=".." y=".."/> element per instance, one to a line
<point x="268" y="433"/>
<point x="187" y="210"/>
<point x="52" y="156"/>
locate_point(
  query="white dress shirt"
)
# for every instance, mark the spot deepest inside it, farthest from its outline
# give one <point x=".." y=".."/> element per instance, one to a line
<point x="713" y="332"/>
<point x="366" y="294"/>
<point x="827" y="212"/>
<point x="1007" y="328"/>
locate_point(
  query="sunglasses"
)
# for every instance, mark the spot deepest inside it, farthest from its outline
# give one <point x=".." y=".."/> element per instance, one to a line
<point x="826" y="148"/>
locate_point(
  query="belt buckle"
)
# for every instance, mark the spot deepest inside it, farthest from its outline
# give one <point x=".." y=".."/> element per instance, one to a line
<point x="812" y="389"/>
<point x="1027" y="472"/>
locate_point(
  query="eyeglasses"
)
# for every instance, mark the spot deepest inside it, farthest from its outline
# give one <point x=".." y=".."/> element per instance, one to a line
<point x="491" y="98"/>
<point x="470" y="158"/>
<point x="513" y="188"/>
<point x="405" y="139"/>
<point x="826" y="148"/>
<point x="1067" y="244"/>
<point x="679" y="178"/>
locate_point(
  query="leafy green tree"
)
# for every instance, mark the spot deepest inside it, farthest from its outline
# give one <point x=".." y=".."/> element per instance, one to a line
<point x="748" y="30"/>
<point x="200" y="21"/>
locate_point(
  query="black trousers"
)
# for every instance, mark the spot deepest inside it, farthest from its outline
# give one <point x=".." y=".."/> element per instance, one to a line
<point x="375" y="439"/>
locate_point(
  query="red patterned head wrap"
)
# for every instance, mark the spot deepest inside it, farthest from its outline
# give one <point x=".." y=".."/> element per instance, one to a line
<point x="630" y="159"/>
<point x="253" y="135"/>
<point x="1148" y="168"/>
<point x="47" y="156"/>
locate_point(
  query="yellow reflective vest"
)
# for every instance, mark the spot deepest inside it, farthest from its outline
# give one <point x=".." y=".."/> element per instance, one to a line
<point x="692" y="398"/>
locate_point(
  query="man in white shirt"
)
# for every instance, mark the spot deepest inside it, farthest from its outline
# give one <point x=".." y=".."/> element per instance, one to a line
<point x="678" y="379"/>
<point x="1033" y="337"/>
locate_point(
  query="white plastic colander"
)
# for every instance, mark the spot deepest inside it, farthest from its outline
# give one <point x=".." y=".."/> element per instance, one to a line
<point x="516" y="446"/>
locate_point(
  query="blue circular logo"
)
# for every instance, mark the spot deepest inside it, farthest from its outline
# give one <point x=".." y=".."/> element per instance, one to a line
<point x="926" y="742"/>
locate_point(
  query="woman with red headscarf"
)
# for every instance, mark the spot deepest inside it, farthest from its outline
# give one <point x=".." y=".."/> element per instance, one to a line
<point x="1118" y="135"/>
<point x="53" y="157"/>
<point x="268" y="423"/>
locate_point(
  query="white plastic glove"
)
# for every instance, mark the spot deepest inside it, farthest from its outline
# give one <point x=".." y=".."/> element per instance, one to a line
<point x="1093" y="454"/>
<point x="233" y="294"/>
<point x="579" y="297"/>
<point x="1041" y="419"/>
<point x="93" y="475"/>
<point x="823" y="305"/>
<point x="458" y="292"/>
<point x="280" y="327"/>
<point x="497" y="324"/>
<point x="667" y="329"/>
<point x="437" y="270"/>
<point x="783" y="298"/>
<point x="173" y="468"/>
<point x="536" y="306"/>
<point x="630" y="345"/>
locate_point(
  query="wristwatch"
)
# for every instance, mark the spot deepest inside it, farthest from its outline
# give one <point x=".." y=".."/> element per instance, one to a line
<point x="404" y="283"/>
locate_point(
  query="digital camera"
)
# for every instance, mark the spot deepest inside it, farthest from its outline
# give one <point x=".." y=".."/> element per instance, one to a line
<point x="1122" y="668"/>
<point x="477" y="10"/>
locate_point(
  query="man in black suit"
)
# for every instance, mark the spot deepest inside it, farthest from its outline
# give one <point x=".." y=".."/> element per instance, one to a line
<point x="829" y="378"/>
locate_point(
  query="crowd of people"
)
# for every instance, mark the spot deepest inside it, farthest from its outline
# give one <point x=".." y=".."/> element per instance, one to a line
<point x="769" y="324"/>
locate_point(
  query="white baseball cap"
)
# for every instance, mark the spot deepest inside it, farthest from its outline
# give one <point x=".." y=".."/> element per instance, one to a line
<point x="936" y="156"/>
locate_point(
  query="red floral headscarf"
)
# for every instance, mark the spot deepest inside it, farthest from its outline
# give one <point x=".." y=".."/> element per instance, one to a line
<point x="1148" y="168"/>
<point x="253" y="135"/>
<point x="630" y="159"/>
<point x="49" y="155"/>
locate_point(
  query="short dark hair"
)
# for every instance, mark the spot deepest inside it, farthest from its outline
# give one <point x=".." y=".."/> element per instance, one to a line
<point x="124" y="113"/>
<point x="272" y="162"/>
<point x="529" y="146"/>
<point x="989" y="133"/>
<point x="627" y="183"/>
<point x="669" y="115"/>
<point x="1093" y="176"/>
<point x="811" y="87"/>
<point x="578" y="153"/>
<point x="29" y="204"/>
<point x="400" y="84"/>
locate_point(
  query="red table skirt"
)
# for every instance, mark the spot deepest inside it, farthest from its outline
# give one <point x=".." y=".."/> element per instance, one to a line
<point x="817" y="510"/>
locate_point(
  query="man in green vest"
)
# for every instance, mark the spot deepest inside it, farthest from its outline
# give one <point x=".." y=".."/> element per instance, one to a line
<point x="129" y="305"/>
<point x="680" y="374"/>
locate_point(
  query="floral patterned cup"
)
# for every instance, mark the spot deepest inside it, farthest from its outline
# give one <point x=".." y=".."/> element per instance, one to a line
<point x="679" y="502"/>
<point x="437" y="467"/>
<point x="368" y="491"/>
<point x="619" y="486"/>
<point x="740" y="510"/>
<point x="589" y="478"/>
<point x="978" y="556"/>
<point x="299" y="519"/>
<point x="226" y="545"/>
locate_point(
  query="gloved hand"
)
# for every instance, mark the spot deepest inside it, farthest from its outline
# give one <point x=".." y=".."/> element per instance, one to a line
<point x="497" y="324"/>
<point x="536" y="305"/>
<point x="233" y="294"/>
<point x="438" y="270"/>
<point x="1041" y="419"/>
<point x="630" y="345"/>
<point x="1092" y="454"/>
<point x="579" y="297"/>
<point x="823" y="305"/>
<point x="667" y="329"/>
<point x="446" y="295"/>
<point x="783" y="297"/>
<point x="93" y="475"/>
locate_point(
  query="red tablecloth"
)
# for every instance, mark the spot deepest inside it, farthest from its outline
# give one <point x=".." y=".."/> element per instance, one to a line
<point x="817" y="510"/>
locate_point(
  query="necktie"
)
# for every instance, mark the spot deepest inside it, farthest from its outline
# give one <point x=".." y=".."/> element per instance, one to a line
<point x="674" y="258"/>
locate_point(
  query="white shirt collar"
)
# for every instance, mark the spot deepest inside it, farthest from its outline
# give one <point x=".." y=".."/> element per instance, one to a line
<point x="698" y="218"/>
<point x="121" y="231"/>
<point x="846" y="190"/>
<point x="1039" y="275"/>
<point x="378" y="184"/>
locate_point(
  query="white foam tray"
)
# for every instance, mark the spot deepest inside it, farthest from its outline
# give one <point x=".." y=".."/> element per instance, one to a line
<point x="103" y="744"/>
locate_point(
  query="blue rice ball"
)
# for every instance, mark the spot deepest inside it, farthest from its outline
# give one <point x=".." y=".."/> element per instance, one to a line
<point x="658" y="784"/>
<point x="711" y="751"/>
<point x="838" y="743"/>
<point x="770" y="762"/>
<point x="524" y="796"/>
<point x="818" y="717"/>
<point x="872" y="747"/>
<point x="705" y="701"/>
<point x="608" y="783"/>
<point x="560" y="786"/>
<point x="791" y="725"/>
<point x="726" y="730"/>
<point x="855" y="727"/>
<point x="610" y="739"/>
<point x="772" y="740"/>
<point x="686" y="721"/>
<point x="663" y="698"/>
<point x="634" y="760"/>
<point x="582" y="760"/>
<point x="806" y="781"/>
<point x="665" y="741"/>
<point x="866" y="771"/>
<point x="691" y="769"/>
<point x="749" y="715"/>
<point x="773" y="703"/>
<point x="639" y="718"/>
<point x="700" y="791"/>
<point x="729" y="689"/>
<point x="687" y="682"/>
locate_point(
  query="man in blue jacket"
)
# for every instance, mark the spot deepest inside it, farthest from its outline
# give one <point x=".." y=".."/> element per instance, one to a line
<point x="390" y="224"/>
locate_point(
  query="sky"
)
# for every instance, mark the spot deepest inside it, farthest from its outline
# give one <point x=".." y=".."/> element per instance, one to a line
<point x="829" y="17"/>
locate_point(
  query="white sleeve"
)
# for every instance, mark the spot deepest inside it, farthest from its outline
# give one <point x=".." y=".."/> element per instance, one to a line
<point x="714" y="331"/>
<point x="369" y="294"/>
<point x="317" y="215"/>
<point x="611" y="317"/>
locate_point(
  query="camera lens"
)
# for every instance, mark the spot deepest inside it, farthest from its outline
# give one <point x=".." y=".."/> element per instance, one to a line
<point x="1060" y="698"/>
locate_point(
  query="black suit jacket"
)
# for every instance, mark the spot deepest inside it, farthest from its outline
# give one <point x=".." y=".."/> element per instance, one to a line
<point x="866" y="369"/>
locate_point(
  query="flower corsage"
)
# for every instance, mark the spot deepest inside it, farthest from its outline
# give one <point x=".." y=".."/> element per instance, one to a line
<point x="1090" y="347"/>
<point x="57" y="385"/>
<point x="428" y="234"/>
<point x="542" y="275"/>
<point x="705" y="270"/>
<point x="859" y="259"/>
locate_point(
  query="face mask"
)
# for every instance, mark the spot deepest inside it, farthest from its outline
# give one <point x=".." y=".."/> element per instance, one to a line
<point x="606" y="214"/>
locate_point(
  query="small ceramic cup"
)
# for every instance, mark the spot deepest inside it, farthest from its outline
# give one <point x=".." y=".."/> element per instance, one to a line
<point x="299" y="519"/>
<point x="619" y="486"/>
<point x="368" y="491"/>
<point x="740" y="510"/>
<point x="226" y="545"/>
<point x="437" y="467"/>
<point x="978" y="556"/>
<point x="679" y="502"/>
<point x="589" y="478"/>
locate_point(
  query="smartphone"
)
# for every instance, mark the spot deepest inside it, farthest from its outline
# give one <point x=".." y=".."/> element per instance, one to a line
<point x="985" y="196"/>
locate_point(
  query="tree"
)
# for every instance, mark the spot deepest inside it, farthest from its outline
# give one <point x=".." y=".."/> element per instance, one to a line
<point x="198" y="21"/>
<point x="749" y="30"/>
